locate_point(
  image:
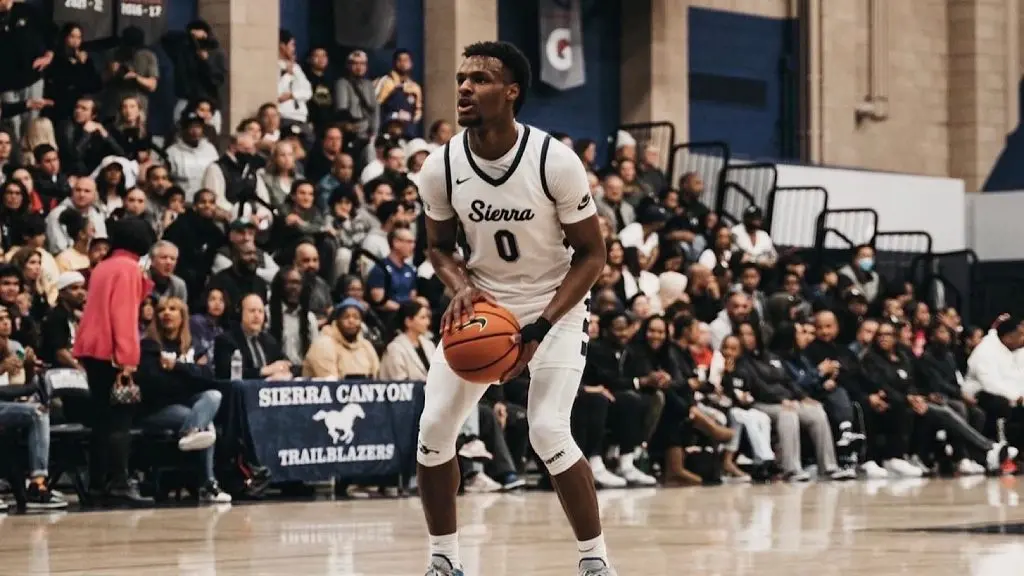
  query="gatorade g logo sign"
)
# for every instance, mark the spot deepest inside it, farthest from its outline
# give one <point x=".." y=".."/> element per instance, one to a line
<point x="559" y="49"/>
<point x="561" y="44"/>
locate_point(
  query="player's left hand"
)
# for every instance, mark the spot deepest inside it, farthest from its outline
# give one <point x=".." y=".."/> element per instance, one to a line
<point x="528" y="340"/>
<point x="526" y="352"/>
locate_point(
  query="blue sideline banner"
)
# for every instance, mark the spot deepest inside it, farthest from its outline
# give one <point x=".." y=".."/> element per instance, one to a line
<point x="310" y="431"/>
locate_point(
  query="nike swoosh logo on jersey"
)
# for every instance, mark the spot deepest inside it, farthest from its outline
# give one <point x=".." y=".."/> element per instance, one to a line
<point x="583" y="203"/>
<point x="464" y="180"/>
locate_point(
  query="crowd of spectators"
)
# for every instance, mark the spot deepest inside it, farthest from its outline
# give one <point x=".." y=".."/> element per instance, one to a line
<point x="295" y="241"/>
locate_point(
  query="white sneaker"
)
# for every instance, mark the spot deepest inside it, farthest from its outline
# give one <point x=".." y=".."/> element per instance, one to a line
<point x="635" y="477"/>
<point x="197" y="440"/>
<point x="212" y="494"/>
<point x="475" y="450"/>
<point x="900" y="467"/>
<point x="604" y="478"/>
<point x="481" y="483"/>
<point x="798" y="476"/>
<point x="840" y="474"/>
<point x="998" y="454"/>
<point x="3" y="506"/>
<point x="849" y="438"/>
<point x="916" y="461"/>
<point x="873" y="471"/>
<point x="968" y="467"/>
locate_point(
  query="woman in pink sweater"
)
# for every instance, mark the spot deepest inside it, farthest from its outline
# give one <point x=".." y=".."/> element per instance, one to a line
<point x="107" y="345"/>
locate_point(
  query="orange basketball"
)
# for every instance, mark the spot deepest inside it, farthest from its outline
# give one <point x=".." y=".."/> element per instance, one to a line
<point x="481" y="349"/>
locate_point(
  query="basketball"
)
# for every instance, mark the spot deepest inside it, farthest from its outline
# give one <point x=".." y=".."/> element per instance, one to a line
<point x="481" y="349"/>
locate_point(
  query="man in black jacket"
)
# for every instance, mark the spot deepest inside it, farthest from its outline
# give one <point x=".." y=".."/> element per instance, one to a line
<point x="939" y="379"/>
<point x="262" y="356"/>
<point x="633" y="397"/>
<point x="198" y="237"/>
<point x="200" y="67"/>
<point x="842" y="369"/>
<point x="83" y="141"/>
<point x="50" y="181"/>
<point x="26" y="47"/>
<point x="241" y="279"/>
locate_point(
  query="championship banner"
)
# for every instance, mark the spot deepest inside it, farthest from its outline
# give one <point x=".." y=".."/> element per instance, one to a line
<point x="309" y="431"/>
<point x="148" y="15"/>
<point x="561" y="44"/>
<point x="96" y="17"/>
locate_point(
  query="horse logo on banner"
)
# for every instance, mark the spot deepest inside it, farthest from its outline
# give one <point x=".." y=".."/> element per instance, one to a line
<point x="340" y="423"/>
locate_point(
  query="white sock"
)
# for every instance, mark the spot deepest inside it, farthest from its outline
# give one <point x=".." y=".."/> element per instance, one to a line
<point x="448" y="546"/>
<point x="596" y="463"/>
<point x="593" y="548"/>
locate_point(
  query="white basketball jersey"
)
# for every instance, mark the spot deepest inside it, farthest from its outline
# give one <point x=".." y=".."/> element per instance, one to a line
<point x="511" y="211"/>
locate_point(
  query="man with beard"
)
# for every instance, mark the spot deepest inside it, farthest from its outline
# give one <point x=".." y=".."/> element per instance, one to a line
<point x="737" y="309"/>
<point x="232" y="178"/>
<point x="61" y="324"/>
<point x="198" y="237"/>
<point x="243" y="231"/>
<point x="307" y="262"/>
<point x="241" y="279"/>
<point x="842" y="370"/>
<point x="691" y="188"/>
<point x="398" y="94"/>
<point x="358" y="110"/>
<point x="325" y="157"/>
<point x="189" y="157"/>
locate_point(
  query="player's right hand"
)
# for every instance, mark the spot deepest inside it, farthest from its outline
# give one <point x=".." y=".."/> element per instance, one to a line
<point x="461" y="307"/>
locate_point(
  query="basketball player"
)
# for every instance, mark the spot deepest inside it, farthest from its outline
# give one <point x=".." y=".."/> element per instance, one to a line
<point x="533" y="245"/>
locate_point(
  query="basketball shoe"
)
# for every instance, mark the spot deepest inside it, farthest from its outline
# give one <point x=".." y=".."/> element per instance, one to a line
<point x="594" y="567"/>
<point x="441" y="566"/>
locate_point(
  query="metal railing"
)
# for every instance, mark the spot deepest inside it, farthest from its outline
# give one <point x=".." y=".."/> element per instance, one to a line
<point x="798" y="209"/>
<point x="758" y="180"/>
<point x="897" y="251"/>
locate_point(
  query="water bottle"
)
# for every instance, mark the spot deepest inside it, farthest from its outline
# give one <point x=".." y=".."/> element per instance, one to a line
<point x="236" y="365"/>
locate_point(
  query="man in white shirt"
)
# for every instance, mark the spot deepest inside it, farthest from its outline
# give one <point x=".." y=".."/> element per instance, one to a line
<point x="293" y="88"/>
<point x="753" y="241"/>
<point x="996" y="378"/>
<point x="737" y="309"/>
<point x="190" y="156"/>
<point x="643" y="234"/>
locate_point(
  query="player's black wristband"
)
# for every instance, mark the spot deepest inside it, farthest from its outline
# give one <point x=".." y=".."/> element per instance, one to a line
<point x="536" y="331"/>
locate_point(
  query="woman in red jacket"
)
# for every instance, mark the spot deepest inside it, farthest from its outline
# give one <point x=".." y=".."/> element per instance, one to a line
<point x="107" y="345"/>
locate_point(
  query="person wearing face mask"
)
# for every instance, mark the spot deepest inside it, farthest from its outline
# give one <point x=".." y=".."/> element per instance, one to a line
<point x="860" y="274"/>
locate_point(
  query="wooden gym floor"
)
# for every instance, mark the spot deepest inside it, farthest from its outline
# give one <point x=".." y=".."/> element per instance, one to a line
<point x="964" y="527"/>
